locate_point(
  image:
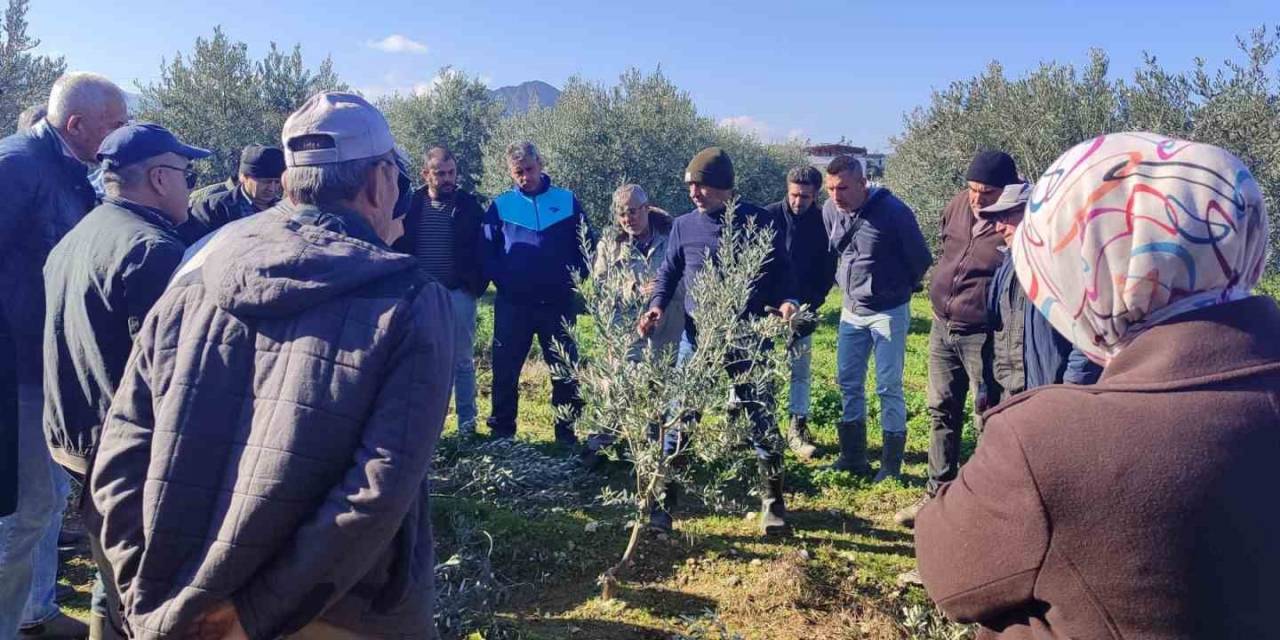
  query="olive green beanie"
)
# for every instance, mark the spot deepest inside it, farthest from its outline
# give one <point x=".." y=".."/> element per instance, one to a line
<point x="711" y="167"/>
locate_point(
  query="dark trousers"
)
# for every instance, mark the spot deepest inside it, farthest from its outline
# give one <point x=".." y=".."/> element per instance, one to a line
<point x="959" y="363"/>
<point x="105" y="600"/>
<point x="765" y="439"/>
<point x="514" y="326"/>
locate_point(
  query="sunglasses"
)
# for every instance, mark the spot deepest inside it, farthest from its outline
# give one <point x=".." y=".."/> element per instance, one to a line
<point x="189" y="173"/>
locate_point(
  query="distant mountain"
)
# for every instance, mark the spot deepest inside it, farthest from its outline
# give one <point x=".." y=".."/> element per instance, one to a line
<point x="522" y="97"/>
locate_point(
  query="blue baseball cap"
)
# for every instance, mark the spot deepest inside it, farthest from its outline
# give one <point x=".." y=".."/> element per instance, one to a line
<point x="141" y="140"/>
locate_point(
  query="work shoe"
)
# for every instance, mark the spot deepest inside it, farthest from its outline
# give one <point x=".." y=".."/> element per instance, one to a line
<point x="60" y="626"/>
<point x="891" y="456"/>
<point x="853" y="448"/>
<point x="906" y="516"/>
<point x="798" y="438"/>
<point x="773" y="507"/>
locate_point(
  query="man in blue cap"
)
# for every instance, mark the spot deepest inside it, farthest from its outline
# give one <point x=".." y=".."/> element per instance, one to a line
<point x="101" y="279"/>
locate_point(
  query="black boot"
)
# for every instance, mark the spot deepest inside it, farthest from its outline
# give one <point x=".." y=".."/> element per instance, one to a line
<point x="853" y="448"/>
<point x="660" y="520"/>
<point x="798" y="438"/>
<point x="891" y="456"/>
<point x="773" y="508"/>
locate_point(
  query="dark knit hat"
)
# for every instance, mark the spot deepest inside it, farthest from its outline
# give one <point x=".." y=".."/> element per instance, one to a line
<point x="993" y="168"/>
<point x="258" y="161"/>
<point x="711" y="167"/>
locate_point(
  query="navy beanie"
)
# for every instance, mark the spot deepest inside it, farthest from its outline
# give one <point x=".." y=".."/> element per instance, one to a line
<point x="993" y="168"/>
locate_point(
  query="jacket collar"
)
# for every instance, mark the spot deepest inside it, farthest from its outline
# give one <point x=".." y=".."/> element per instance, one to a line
<point x="149" y="214"/>
<point x="344" y="221"/>
<point x="1229" y="339"/>
<point x="58" y="149"/>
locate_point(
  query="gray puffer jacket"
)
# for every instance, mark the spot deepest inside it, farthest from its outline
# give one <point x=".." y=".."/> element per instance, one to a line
<point x="272" y="432"/>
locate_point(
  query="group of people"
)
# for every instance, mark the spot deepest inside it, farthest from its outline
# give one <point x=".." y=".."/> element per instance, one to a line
<point x="249" y="381"/>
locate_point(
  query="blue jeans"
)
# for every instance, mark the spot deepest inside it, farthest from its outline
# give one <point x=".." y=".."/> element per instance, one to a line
<point x="886" y="334"/>
<point x="464" y="368"/>
<point x="41" y="605"/>
<point x="22" y="531"/>
<point x="801" y="375"/>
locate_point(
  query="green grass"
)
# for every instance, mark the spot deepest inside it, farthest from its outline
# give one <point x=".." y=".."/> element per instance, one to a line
<point x="834" y="578"/>
<point x="846" y="587"/>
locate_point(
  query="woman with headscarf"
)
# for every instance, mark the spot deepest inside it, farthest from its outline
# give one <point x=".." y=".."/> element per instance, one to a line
<point x="1136" y="507"/>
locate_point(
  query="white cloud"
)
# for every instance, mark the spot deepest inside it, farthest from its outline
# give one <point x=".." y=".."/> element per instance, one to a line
<point x="747" y="124"/>
<point x="396" y="43"/>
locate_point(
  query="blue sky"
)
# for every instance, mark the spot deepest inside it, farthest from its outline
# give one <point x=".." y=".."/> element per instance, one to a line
<point x="819" y="69"/>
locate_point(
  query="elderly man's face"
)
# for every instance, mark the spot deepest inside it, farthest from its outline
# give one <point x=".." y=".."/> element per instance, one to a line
<point x="263" y="192"/>
<point x="981" y="195"/>
<point x="708" y="198"/>
<point x="526" y="173"/>
<point x="86" y="131"/>
<point x="634" y="218"/>
<point x="1007" y="223"/>
<point x="442" y="176"/>
<point x="801" y="196"/>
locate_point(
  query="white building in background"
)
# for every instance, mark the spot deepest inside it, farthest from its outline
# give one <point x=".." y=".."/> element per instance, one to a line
<point x="820" y="155"/>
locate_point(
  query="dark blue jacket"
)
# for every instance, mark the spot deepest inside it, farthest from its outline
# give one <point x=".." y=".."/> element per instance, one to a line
<point x="813" y="264"/>
<point x="102" y="279"/>
<point x="1047" y="356"/>
<point x="43" y="193"/>
<point x="882" y="254"/>
<point x="530" y="244"/>
<point x="696" y="235"/>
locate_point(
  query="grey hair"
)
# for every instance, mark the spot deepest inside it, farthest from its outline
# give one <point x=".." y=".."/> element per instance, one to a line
<point x="325" y="185"/>
<point x="116" y="180"/>
<point x="31" y="115"/>
<point x="518" y="151"/>
<point x="625" y="193"/>
<point x="78" y="93"/>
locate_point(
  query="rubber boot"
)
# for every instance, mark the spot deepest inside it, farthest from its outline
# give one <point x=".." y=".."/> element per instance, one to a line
<point x="853" y="448"/>
<point x="891" y="456"/>
<point x="798" y="438"/>
<point x="660" y="520"/>
<point x="773" y="508"/>
<point x="100" y="629"/>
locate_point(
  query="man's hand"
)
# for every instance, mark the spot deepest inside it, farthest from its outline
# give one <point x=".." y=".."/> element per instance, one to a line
<point x="788" y="311"/>
<point x="648" y="321"/>
<point x="219" y="623"/>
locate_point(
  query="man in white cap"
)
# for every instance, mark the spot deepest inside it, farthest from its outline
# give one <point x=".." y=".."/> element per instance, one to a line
<point x="261" y="470"/>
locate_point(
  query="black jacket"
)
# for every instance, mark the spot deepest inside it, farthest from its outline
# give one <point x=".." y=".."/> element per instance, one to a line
<point x="467" y="268"/>
<point x="102" y="279"/>
<point x="882" y="253"/>
<point x="211" y="213"/>
<point x="813" y="264"/>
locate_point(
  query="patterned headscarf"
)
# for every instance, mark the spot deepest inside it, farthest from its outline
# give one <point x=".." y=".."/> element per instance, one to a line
<point x="1129" y="229"/>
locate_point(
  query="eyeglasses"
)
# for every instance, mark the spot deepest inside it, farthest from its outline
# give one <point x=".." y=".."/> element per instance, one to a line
<point x="187" y="172"/>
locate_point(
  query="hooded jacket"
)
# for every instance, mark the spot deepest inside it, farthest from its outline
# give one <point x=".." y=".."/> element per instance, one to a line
<point x="272" y="432"/>
<point x="882" y="254"/>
